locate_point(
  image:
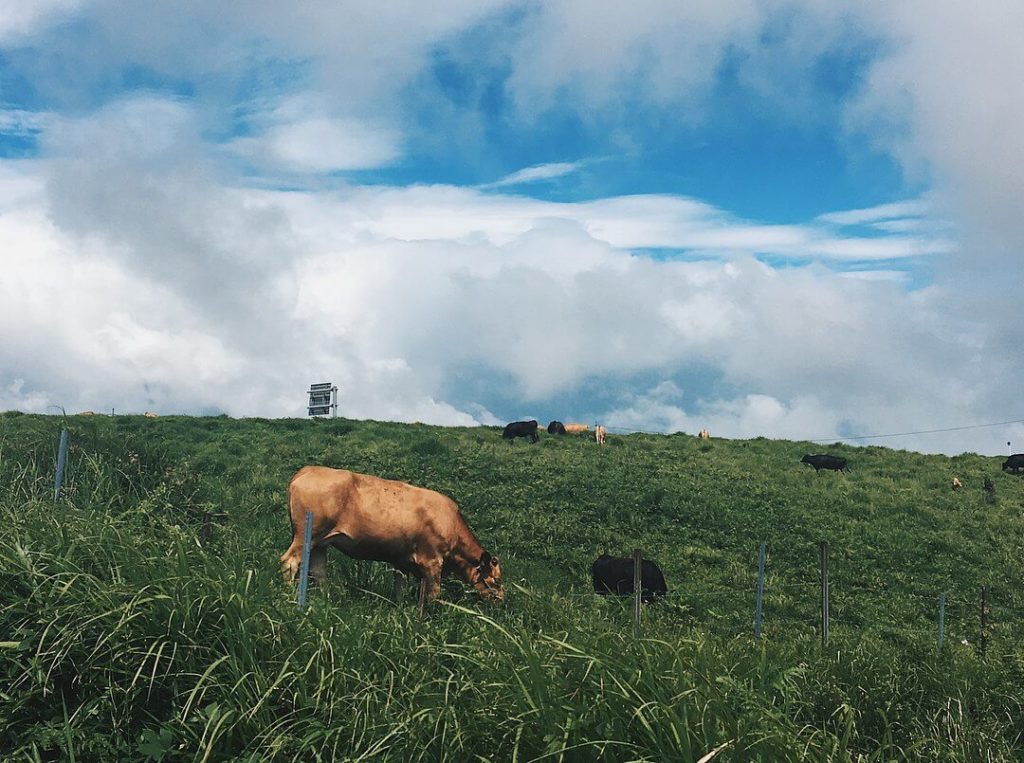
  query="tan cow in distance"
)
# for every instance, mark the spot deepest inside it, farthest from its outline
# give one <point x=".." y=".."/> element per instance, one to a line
<point x="417" y="531"/>
<point x="576" y="428"/>
<point x="151" y="415"/>
<point x="599" y="434"/>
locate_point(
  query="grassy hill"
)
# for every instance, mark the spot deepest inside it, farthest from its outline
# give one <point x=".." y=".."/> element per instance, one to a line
<point x="143" y="617"/>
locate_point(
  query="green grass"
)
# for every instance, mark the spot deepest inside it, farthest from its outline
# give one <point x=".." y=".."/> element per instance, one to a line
<point x="142" y="617"/>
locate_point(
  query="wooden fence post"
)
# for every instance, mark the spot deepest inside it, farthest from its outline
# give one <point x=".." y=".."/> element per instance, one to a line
<point x="62" y="457"/>
<point x="824" y="593"/>
<point x="307" y="541"/>
<point x="760" y="590"/>
<point x="942" y="619"/>
<point x="637" y="585"/>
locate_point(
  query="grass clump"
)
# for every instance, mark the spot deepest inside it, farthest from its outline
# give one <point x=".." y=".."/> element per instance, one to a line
<point x="143" y="619"/>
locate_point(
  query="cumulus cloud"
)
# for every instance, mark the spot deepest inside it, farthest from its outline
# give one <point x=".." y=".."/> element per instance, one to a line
<point x="143" y="271"/>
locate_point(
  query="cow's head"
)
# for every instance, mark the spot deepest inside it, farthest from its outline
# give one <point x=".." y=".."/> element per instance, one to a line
<point x="486" y="578"/>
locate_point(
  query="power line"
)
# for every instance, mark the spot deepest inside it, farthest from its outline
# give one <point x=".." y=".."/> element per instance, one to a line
<point x="920" y="431"/>
<point x="858" y="437"/>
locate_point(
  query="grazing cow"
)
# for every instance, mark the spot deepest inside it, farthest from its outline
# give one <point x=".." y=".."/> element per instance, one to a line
<point x="556" y="427"/>
<point x="599" y="434"/>
<point x="614" y="575"/>
<point x="416" y="530"/>
<point x="86" y="413"/>
<point x="150" y="415"/>
<point x="1014" y="462"/>
<point x="704" y="434"/>
<point x="576" y="428"/>
<point x="521" y="429"/>
<point x="820" y="462"/>
<point x="956" y="483"/>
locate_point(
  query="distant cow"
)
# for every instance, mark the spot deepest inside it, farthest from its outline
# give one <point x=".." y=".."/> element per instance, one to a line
<point x="576" y="428"/>
<point x="956" y="483"/>
<point x="521" y="429"/>
<point x="150" y="415"/>
<point x="1014" y="462"/>
<point x="87" y="413"/>
<point x="704" y="434"/>
<point x="614" y="575"/>
<point x="820" y="462"/>
<point x="556" y="427"/>
<point x="599" y="434"/>
<point x="988" y="487"/>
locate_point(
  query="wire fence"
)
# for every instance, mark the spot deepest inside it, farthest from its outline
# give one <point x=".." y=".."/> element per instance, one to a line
<point x="834" y="607"/>
<point x="954" y="613"/>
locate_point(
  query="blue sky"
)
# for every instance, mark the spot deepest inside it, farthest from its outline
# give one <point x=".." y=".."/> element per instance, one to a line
<point x="764" y="217"/>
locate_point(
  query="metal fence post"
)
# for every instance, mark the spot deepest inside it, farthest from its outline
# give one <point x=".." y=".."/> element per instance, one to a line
<point x="984" y="618"/>
<point x="760" y="590"/>
<point x="62" y="457"/>
<point x="942" y="619"/>
<point x="824" y="593"/>
<point x="637" y="585"/>
<point x="307" y="541"/>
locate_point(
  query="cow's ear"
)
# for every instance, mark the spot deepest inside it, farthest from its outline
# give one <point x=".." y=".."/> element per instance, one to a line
<point x="485" y="558"/>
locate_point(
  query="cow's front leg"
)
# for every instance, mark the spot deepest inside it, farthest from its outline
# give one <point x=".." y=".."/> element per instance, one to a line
<point x="430" y="574"/>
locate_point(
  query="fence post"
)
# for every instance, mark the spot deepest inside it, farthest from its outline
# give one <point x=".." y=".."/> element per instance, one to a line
<point x="62" y="457"/>
<point x="760" y="590"/>
<point x="422" y="609"/>
<point x="942" y="619"/>
<point x="984" y="618"/>
<point x="307" y="541"/>
<point x="637" y="585"/>
<point x="823" y="546"/>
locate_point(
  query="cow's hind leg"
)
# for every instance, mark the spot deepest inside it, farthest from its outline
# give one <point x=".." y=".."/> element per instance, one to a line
<point x="318" y="564"/>
<point x="291" y="560"/>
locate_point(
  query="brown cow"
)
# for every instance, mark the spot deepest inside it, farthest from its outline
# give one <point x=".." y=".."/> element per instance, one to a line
<point x="576" y="428"/>
<point x="599" y="434"/>
<point x="956" y="483"/>
<point x="416" y="530"/>
<point x="150" y="415"/>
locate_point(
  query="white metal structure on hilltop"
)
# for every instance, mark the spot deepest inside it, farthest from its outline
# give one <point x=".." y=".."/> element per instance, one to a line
<point x="323" y="400"/>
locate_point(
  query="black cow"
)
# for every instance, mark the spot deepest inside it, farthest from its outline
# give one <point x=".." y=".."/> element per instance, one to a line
<point x="521" y="429"/>
<point x="820" y="462"/>
<point x="1014" y="462"/>
<point x="556" y="427"/>
<point x="614" y="575"/>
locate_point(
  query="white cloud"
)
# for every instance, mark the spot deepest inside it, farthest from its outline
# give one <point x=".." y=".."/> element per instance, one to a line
<point x="535" y="174"/>
<point x="883" y="212"/>
<point x="19" y="18"/>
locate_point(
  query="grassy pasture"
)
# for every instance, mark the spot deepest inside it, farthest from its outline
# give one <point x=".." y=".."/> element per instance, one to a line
<point x="142" y="617"/>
